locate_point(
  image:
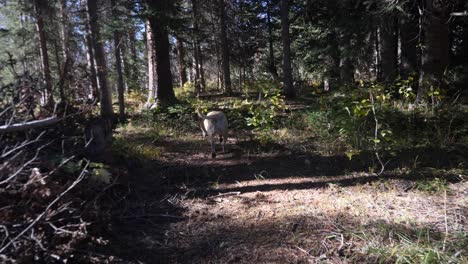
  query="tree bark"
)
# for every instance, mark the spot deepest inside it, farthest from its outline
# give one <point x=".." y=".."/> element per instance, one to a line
<point x="435" y="52"/>
<point x="39" y="6"/>
<point x="158" y="25"/>
<point x="181" y="61"/>
<point x="67" y="59"/>
<point x="271" y="52"/>
<point x="389" y="48"/>
<point x="118" y="66"/>
<point x="152" y="77"/>
<point x="91" y="67"/>
<point x="200" y="83"/>
<point x="100" y="59"/>
<point x="346" y="69"/>
<point x="288" y="87"/>
<point x="224" y="49"/>
<point x="409" y="36"/>
<point x="465" y="50"/>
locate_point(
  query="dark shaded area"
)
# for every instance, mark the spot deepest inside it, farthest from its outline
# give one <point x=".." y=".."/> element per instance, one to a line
<point x="146" y="204"/>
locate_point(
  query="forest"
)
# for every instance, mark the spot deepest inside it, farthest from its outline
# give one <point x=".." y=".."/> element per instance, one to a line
<point x="233" y="131"/>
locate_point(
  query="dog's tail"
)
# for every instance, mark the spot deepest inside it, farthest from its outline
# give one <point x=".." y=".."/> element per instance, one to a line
<point x="202" y="116"/>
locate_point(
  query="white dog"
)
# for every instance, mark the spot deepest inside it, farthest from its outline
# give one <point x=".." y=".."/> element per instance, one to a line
<point x="213" y="123"/>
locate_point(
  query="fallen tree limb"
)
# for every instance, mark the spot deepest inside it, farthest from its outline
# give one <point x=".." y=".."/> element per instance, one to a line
<point x="29" y="125"/>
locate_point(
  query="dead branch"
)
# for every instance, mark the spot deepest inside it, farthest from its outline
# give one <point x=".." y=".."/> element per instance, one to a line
<point x="22" y="145"/>
<point x="224" y="194"/>
<point x="26" y="164"/>
<point x="465" y="13"/>
<point x="29" y="125"/>
<point x="31" y="225"/>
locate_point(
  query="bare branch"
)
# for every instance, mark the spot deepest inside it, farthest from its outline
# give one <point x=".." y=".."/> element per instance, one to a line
<point x="25" y="164"/>
<point x="78" y="180"/>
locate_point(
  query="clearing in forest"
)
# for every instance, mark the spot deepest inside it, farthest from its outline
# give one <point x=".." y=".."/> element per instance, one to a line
<point x="283" y="201"/>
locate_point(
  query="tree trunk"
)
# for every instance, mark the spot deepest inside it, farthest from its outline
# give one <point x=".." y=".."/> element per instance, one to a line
<point x="213" y="8"/>
<point x="39" y="6"/>
<point x="181" y="61"/>
<point x="125" y="63"/>
<point x="224" y="49"/>
<point x="435" y="52"/>
<point x="200" y="83"/>
<point x="271" y="52"/>
<point x="389" y="48"/>
<point x="91" y="67"/>
<point x="376" y="38"/>
<point x="202" y="70"/>
<point x="196" y="55"/>
<point x="333" y="71"/>
<point x="346" y="69"/>
<point x="100" y="59"/>
<point x="152" y="77"/>
<point x="465" y="51"/>
<point x="118" y="66"/>
<point x="164" y="90"/>
<point x="67" y="59"/>
<point x="288" y="87"/>
<point x="409" y="34"/>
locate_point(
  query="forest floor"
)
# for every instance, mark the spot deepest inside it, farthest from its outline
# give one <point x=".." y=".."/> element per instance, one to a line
<point x="280" y="205"/>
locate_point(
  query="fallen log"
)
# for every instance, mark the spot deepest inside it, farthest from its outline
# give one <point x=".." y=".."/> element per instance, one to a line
<point x="29" y="125"/>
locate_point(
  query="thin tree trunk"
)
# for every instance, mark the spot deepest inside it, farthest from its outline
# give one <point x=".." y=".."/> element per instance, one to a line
<point x="125" y="62"/>
<point x="389" y="48"/>
<point x="39" y="6"/>
<point x="135" y="75"/>
<point x="409" y="40"/>
<point x="181" y="61"/>
<point x="377" y="53"/>
<point x="100" y="59"/>
<point x="346" y="69"/>
<point x="91" y="67"/>
<point x="65" y="32"/>
<point x="151" y="64"/>
<point x="216" y="45"/>
<point x="118" y="66"/>
<point x="288" y="87"/>
<point x="60" y="71"/>
<point x="225" y="49"/>
<point x="435" y="53"/>
<point x="202" y="71"/>
<point x="465" y="51"/>
<point x="199" y="72"/>
<point x="271" y="52"/>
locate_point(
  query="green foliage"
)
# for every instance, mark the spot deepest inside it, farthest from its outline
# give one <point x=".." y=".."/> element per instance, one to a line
<point x="185" y="92"/>
<point x="263" y="114"/>
<point x="178" y="118"/>
<point x="436" y="185"/>
<point x="129" y="150"/>
<point x="402" y="244"/>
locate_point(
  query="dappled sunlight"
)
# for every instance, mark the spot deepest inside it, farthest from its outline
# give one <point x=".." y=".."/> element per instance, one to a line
<point x="307" y="225"/>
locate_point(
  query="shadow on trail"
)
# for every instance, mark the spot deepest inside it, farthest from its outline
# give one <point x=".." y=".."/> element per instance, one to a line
<point x="319" y="171"/>
<point x="149" y="204"/>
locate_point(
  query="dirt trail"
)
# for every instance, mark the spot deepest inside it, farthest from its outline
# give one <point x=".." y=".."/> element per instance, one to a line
<point x="279" y="207"/>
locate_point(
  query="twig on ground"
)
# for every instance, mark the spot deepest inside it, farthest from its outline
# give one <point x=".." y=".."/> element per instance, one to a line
<point x="224" y="194"/>
<point x="31" y="225"/>
<point x="152" y="215"/>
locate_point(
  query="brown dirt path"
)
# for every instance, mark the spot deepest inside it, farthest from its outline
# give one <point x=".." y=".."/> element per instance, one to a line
<point x="275" y="207"/>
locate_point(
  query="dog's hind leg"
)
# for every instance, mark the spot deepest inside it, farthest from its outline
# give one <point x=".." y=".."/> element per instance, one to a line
<point x="213" y="149"/>
<point x="223" y="139"/>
